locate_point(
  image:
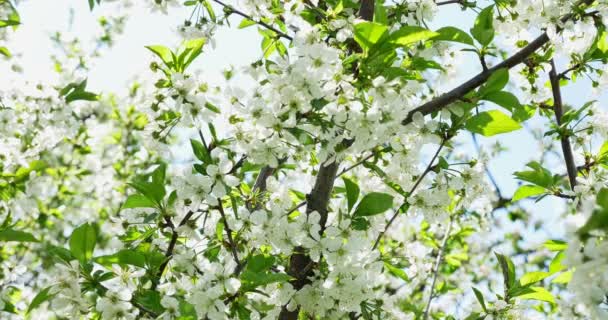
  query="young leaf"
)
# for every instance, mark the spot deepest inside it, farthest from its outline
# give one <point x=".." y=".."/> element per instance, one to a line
<point x="407" y="35"/>
<point x="489" y="123"/>
<point x="16" y="235"/>
<point x="41" y="297"/>
<point x="508" y="270"/>
<point x="538" y="293"/>
<point x="532" y="277"/>
<point x="504" y="99"/>
<point x="164" y="53"/>
<point x="539" y="175"/>
<point x="556" y="245"/>
<point x="496" y="82"/>
<point x="373" y="203"/>
<point x="453" y="34"/>
<point x="152" y="191"/>
<point x="483" y="29"/>
<point x="82" y="242"/>
<point x="192" y="49"/>
<point x="138" y="201"/>
<point x="352" y="192"/>
<point x="200" y="151"/>
<point x="368" y="34"/>
<point x="480" y="299"/>
<point x="526" y="191"/>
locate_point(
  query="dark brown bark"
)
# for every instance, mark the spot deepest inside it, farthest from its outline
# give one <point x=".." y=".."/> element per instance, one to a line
<point x="559" y="112"/>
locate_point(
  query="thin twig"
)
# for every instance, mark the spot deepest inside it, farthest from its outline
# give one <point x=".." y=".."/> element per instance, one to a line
<point x="262" y="23"/>
<point x="229" y="236"/>
<point x="416" y="184"/>
<point x="172" y="243"/>
<point x="436" y="268"/>
<point x="453" y="95"/>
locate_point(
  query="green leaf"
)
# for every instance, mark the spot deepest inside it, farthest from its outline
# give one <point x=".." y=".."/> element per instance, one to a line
<point x="602" y="43"/>
<point x="16" y="235"/>
<point x="523" y="113"/>
<point x="123" y="257"/>
<point x="556" y="245"/>
<point x="489" y="123"/>
<point x="76" y="91"/>
<point x="5" y="52"/>
<point x="246" y="23"/>
<point x="152" y="191"/>
<point x="453" y="34"/>
<point x="373" y="203"/>
<point x="150" y="299"/>
<point x="200" y="151"/>
<point x="483" y="29"/>
<point x="368" y="34"/>
<point x="82" y="242"/>
<point x="397" y="272"/>
<point x="252" y="279"/>
<point x="527" y="190"/>
<point x="210" y="11"/>
<point x="260" y="263"/>
<point x="532" y="277"/>
<point x="407" y="35"/>
<point x="164" y="53"/>
<point x="597" y="221"/>
<point x="480" y="299"/>
<point x="504" y="99"/>
<point x="538" y="293"/>
<point x="192" y="49"/>
<point x="352" y="192"/>
<point x="602" y="198"/>
<point x="563" y="278"/>
<point x="496" y="82"/>
<point x="539" y="175"/>
<point x="508" y="270"/>
<point x="556" y="264"/>
<point x="41" y="297"/>
<point x="138" y="201"/>
<point x="602" y="155"/>
<point x="380" y="15"/>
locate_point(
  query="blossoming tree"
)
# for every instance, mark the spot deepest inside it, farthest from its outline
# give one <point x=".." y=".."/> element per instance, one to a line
<point x="338" y="186"/>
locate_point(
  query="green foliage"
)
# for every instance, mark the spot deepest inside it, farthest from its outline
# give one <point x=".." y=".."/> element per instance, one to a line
<point x="599" y="217"/>
<point x="9" y="234"/>
<point x="13" y="18"/>
<point x="82" y="242"/>
<point x="527" y="191"/>
<point x="257" y="273"/>
<point x="180" y="60"/>
<point x="496" y="82"/>
<point x="76" y="91"/>
<point x="539" y="175"/>
<point x="42" y="296"/>
<point x="352" y="192"/>
<point x="373" y="203"/>
<point x="453" y="34"/>
<point x="489" y="123"/>
<point x="480" y="298"/>
<point x="483" y="29"/>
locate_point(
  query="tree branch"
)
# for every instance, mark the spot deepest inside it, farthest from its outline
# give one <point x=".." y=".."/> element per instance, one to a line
<point x="366" y="10"/>
<point x="458" y="92"/>
<point x="231" y="242"/>
<point x="436" y="268"/>
<point x="559" y="112"/>
<point x="261" y="23"/>
<point x="171" y="247"/>
<point x="416" y="184"/>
